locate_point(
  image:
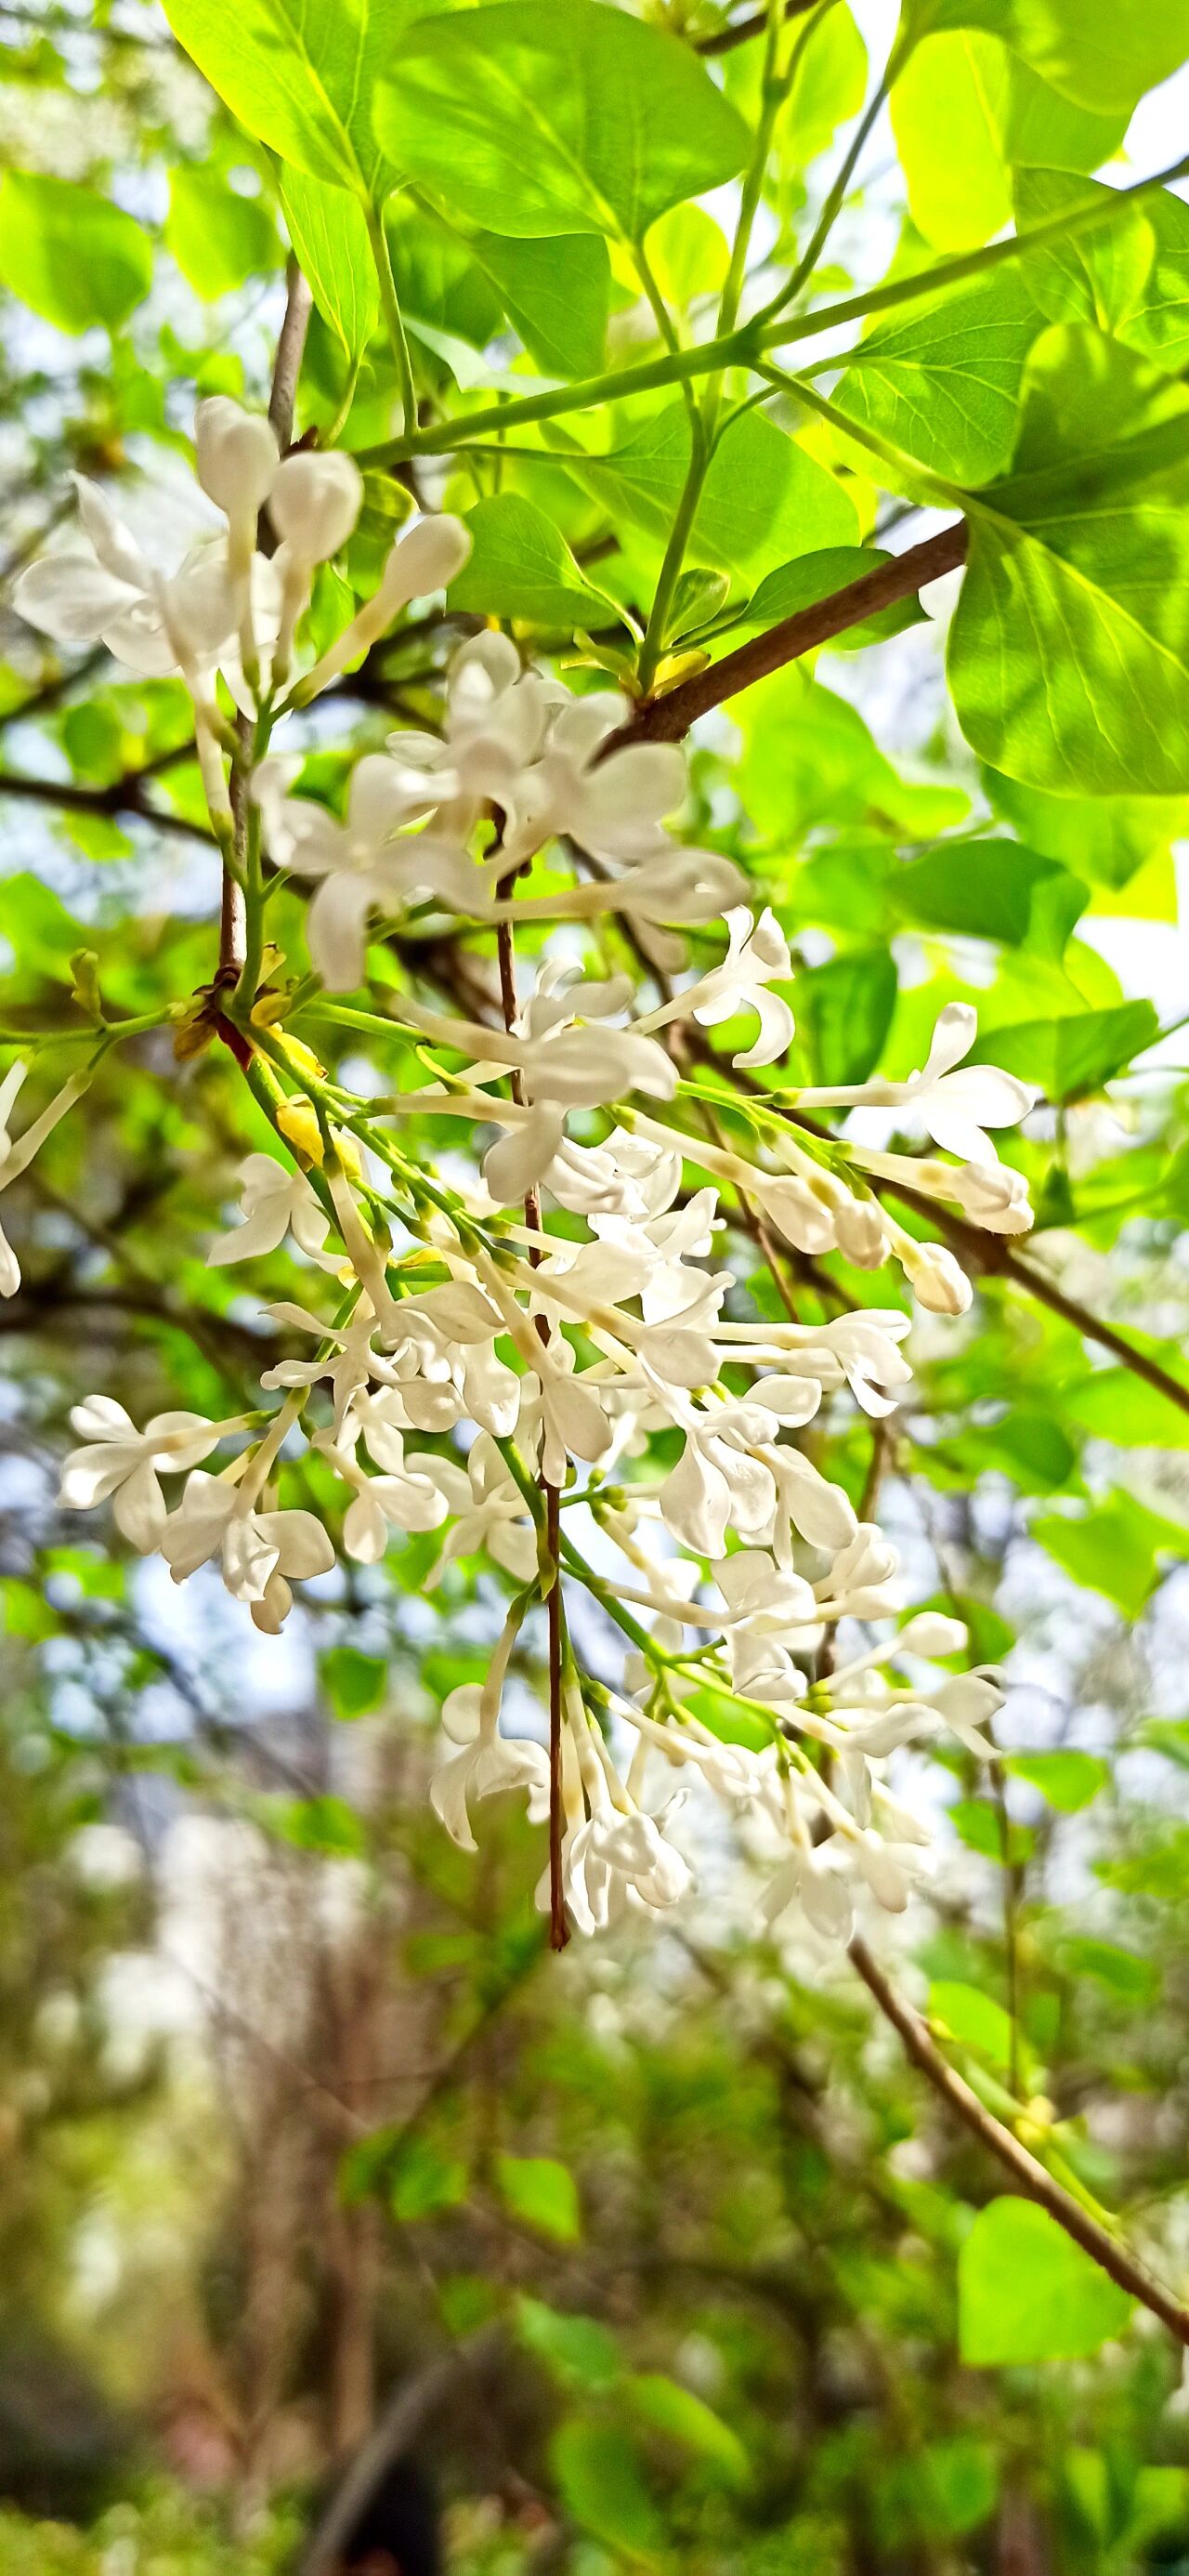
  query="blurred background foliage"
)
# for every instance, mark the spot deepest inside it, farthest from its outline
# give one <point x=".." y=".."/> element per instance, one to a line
<point x="291" y="2098"/>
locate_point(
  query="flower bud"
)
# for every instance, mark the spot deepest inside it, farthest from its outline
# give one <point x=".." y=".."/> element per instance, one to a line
<point x="938" y="1281"/>
<point x="427" y="557"/>
<point x="314" y="504"/>
<point x="237" y="456"/>
<point x="931" y="1633"/>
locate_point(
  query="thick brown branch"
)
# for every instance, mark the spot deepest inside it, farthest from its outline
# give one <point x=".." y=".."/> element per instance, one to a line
<point x="1030" y="2175"/>
<point x="667" y="718"/>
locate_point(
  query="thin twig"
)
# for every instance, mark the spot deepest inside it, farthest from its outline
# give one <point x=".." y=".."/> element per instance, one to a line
<point x="290" y="352"/>
<point x="1104" y="2249"/>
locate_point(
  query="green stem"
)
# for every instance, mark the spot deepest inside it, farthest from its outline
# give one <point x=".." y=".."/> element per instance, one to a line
<point x="742" y="347"/>
<point x="833" y="205"/>
<point x="703" y="418"/>
<point x="679" y="535"/>
<point x="392" y="319"/>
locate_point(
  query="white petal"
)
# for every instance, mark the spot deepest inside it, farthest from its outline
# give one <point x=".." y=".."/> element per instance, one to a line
<point x="335" y="931"/>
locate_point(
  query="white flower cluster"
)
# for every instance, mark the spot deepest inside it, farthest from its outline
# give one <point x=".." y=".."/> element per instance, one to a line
<point x="548" y="1368"/>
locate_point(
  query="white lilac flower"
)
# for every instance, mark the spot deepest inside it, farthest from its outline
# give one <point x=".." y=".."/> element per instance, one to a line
<point x="261" y="1552"/>
<point x="120" y="1464"/>
<point x="487" y="1761"/>
<point x="400" y="1497"/>
<point x="954" y="1107"/>
<point x="496" y="719"/>
<point x="17" y="1153"/>
<point x="275" y="1203"/>
<point x="757" y="956"/>
<point x="487" y="1510"/>
<point x="612" y="803"/>
<point x="108" y="592"/>
<point x="361" y="864"/>
<point x="615" y="1861"/>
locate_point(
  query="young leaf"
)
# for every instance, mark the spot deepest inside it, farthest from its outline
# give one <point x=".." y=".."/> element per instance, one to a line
<point x="1093" y="52"/>
<point x="218" y="238"/>
<point x="602" y="2487"/>
<point x="763" y="496"/>
<point x="844" y="1011"/>
<point x="69" y="254"/>
<point x="1113" y="1549"/>
<point x="541" y="2194"/>
<point x="1071" y="1057"/>
<point x="521" y="567"/>
<point x="329" y="235"/>
<point x="1026" y="2292"/>
<point x="992" y="890"/>
<point x="798" y="585"/>
<point x="1068" y="1780"/>
<point x="537" y="120"/>
<point x="965" y="111"/>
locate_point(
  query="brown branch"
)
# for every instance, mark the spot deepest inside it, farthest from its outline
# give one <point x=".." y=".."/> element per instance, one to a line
<point x="665" y="719"/>
<point x="290" y="352"/>
<point x="124" y="796"/>
<point x="743" y="29"/>
<point x="1030" y="2175"/>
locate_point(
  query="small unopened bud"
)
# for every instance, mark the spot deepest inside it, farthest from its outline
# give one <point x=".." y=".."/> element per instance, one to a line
<point x="938" y="1281"/>
<point x="931" y="1633"/>
<point x="314" y="504"/>
<point x="237" y="456"/>
<point x="298" y="1123"/>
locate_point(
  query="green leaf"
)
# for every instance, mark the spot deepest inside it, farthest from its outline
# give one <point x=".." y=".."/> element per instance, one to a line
<point x="574" y="2348"/>
<point x="424" y="2181"/>
<point x="219" y="238"/>
<point x="945" y="386"/>
<point x="844" y="1011"/>
<point x="1169" y="1736"/>
<point x="1113" y="1548"/>
<point x="972" y="2018"/>
<point x="992" y="890"/>
<point x="520" y="567"/>
<point x="977" y="1823"/>
<point x="1091" y="51"/>
<point x="1073" y="1056"/>
<point x="964" y="111"/>
<point x="1099" y="276"/>
<point x="328" y="230"/>
<point x="809" y="760"/>
<point x="301" y="76"/>
<point x="556" y="295"/>
<point x="1116" y="1405"/>
<point x="602" y="2488"/>
<point x="541" y="2194"/>
<point x="829" y="85"/>
<point x="668" y="2408"/>
<point x="69" y="254"/>
<point x="1158" y="323"/>
<point x="794" y="586"/>
<point x="763" y="494"/>
<point x="1067" y="1780"/>
<point x="1135" y="1979"/>
<point x="1069" y="650"/>
<point x="323" y="1824"/>
<point x="538" y="120"/>
<point x="354" y="1683"/>
<point x="1026" y="2292"/>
